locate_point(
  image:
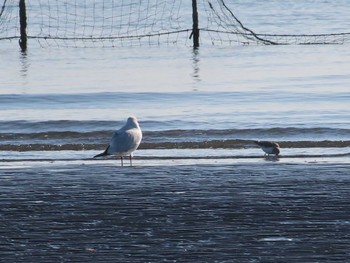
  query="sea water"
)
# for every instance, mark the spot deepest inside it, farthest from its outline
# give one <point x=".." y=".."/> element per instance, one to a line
<point x="81" y="96"/>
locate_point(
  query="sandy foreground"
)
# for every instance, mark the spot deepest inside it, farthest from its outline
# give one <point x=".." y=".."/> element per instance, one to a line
<point x="255" y="211"/>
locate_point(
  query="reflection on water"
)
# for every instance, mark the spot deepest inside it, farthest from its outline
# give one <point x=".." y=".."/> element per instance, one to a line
<point x="270" y="158"/>
<point x="24" y="63"/>
<point x="195" y="65"/>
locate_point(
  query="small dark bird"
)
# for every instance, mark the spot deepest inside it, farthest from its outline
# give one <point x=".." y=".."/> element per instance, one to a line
<point x="269" y="147"/>
<point x="124" y="141"/>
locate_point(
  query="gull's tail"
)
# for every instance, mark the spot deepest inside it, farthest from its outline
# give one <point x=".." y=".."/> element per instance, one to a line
<point x="102" y="154"/>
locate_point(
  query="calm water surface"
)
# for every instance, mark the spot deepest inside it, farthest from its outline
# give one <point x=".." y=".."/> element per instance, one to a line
<point x="79" y="96"/>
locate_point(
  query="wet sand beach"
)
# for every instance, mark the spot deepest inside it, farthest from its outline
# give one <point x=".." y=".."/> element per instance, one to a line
<point x="256" y="211"/>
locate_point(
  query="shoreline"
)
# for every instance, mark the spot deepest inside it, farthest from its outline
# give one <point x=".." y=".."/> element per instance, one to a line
<point x="182" y="157"/>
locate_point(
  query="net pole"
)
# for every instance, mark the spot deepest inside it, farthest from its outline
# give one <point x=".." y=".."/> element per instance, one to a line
<point x="195" y="29"/>
<point x="23" y="25"/>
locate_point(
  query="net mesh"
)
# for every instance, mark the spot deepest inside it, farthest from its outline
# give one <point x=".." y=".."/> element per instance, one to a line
<point x="225" y="27"/>
<point x="139" y="22"/>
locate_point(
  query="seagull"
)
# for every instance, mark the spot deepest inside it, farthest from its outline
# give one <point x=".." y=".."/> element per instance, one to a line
<point x="124" y="141"/>
<point x="269" y="147"/>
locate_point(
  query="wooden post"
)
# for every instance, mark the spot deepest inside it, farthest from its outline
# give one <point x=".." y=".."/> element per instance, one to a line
<point x="195" y="29"/>
<point x="23" y="25"/>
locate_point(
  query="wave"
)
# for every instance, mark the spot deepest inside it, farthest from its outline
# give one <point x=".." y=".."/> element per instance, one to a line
<point x="95" y="135"/>
<point x="212" y="144"/>
<point x="101" y="129"/>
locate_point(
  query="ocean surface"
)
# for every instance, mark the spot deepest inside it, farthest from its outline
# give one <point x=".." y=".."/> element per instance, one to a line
<point x="216" y="97"/>
<point x="200" y="111"/>
<point x="56" y="98"/>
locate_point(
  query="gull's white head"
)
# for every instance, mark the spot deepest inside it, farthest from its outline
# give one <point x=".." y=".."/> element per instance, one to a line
<point x="132" y="122"/>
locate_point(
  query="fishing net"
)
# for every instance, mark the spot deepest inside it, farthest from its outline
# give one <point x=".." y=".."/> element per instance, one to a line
<point x="108" y="23"/>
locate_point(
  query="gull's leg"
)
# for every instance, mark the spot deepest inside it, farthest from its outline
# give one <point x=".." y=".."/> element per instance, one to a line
<point x="130" y="157"/>
<point x="121" y="160"/>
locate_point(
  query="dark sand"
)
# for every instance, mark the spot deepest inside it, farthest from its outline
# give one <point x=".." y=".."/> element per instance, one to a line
<point x="251" y="212"/>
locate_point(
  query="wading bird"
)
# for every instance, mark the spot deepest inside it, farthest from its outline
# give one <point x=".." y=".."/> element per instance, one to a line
<point x="124" y="141"/>
<point x="269" y="147"/>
